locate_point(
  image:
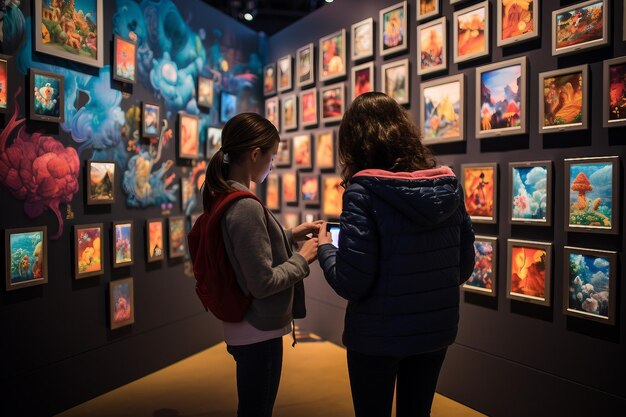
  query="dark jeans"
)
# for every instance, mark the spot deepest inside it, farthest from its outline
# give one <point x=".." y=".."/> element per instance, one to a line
<point x="258" y="374"/>
<point x="372" y="380"/>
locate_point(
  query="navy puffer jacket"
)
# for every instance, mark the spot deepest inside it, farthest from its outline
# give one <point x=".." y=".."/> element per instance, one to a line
<point x="406" y="245"/>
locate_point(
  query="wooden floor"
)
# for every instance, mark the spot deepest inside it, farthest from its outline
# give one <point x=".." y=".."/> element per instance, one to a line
<point x="314" y="384"/>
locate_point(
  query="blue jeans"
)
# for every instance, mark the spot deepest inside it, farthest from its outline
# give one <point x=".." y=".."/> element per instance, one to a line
<point x="259" y="366"/>
<point x="373" y="378"/>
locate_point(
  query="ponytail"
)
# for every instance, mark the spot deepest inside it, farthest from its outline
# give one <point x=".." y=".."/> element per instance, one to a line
<point x="215" y="179"/>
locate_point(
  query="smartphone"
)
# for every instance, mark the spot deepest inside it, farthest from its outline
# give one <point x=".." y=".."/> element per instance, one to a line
<point x="333" y="229"/>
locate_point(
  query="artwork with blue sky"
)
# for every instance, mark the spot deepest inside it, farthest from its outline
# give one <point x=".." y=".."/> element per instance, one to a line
<point x="529" y="193"/>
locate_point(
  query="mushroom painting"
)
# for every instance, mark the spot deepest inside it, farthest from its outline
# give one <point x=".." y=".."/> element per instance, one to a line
<point x="591" y="195"/>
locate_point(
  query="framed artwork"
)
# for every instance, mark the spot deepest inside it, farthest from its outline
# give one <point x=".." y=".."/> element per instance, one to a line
<point x="290" y="219"/>
<point x="228" y="106"/>
<point x="213" y="141"/>
<point x="283" y="66"/>
<point x="272" y="111"/>
<point x="427" y="9"/>
<point x="88" y="250"/>
<point x="305" y="65"/>
<point x="516" y="21"/>
<point x="529" y="271"/>
<point x="394" y="79"/>
<point x="290" y="187"/>
<point x="150" y="115"/>
<point x="325" y="150"/>
<point x="564" y="99"/>
<point x="333" y="56"/>
<point x="290" y="112"/>
<point x="310" y="216"/>
<point x="4" y="82"/>
<point x="155" y="245"/>
<point x="177" y="236"/>
<point x="186" y="192"/>
<point x="501" y="98"/>
<point x="362" y="79"/>
<point x="205" y="91"/>
<point x="188" y="135"/>
<point x="79" y="38"/>
<point x="332" y="196"/>
<point x="362" y="39"/>
<point x="124" y="60"/>
<point x="269" y="79"/>
<point x="470" y="27"/>
<point x="302" y="152"/>
<point x="614" y="92"/>
<point x="480" y="186"/>
<point x="122" y="243"/>
<point x="531" y="193"/>
<point x="483" y="278"/>
<point x="393" y="35"/>
<point x="47" y="95"/>
<point x="308" y="107"/>
<point x="592" y="194"/>
<point x="333" y="102"/>
<point x="442" y="109"/>
<point x="272" y="191"/>
<point x="310" y="189"/>
<point x="101" y="177"/>
<point x="432" y="46"/>
<point x="26" y="257"/>
<point x="580" y="26"/>
<point x="590" y="290"/>
<point x="283" y="154"/>
<point x="121" y="303"/>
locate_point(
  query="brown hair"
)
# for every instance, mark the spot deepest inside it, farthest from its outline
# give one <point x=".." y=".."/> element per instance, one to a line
<point x="241" y="134"/>
<point x="377" y="133"/>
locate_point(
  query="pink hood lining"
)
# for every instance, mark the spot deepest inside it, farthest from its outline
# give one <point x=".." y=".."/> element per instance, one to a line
<point x="425" y="174"/>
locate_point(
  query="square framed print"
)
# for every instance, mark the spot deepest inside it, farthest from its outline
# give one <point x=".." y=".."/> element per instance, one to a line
<point x="483" y="279"/>
<point x="362" y="80"/>
<point x="272" y="191"/>
<point x="529" y="271"/>
<point x="122" y="243"/>
<point x="26" y="257"/>
<point x="427" y="9"/>
<point x="269" y="79"/>
<point x="272" y="111"/>
<point x="325" y="150"/>
<point x="580" y="26"/>
<point x="432" y="46"/>
<point x="177" y="237"/>
<point x="501" y="99"/>
<point x="155" y="244"/>
<point x="614" y="92"/>
<point x="310" y="189"/>
<point x="308" y="107"/>
<point x="592" y="194"/>
<point x="332" y="56"/>
<point x="285" y="73"/>
<point x="47" y="94"/>
<point x="283" y="154"/>
<point x="590" y="287"/>
<point x="564" y="97"/>
<point x="394" y="80"/>
<point x="101" y="180"/>
<point x="228" y="106"/>
<point x="188" y="135"/>
<point x="516" y="21"/>
<point x="77" y="38"/>
<point x="480" y="186"/>
<point x="332" y="102"/>
<point x="531" y="193"/>
<point x="150" y="115"/>
<point x="205" y="93"/>
<point x="124" y="60"/>
<point x="88" y="250"/>
<point x="213" y="141"/>
<point x="362" y="36"/>
<point x="442" y="109"/>
<point x="121" y="303"/>
<point x="305" y="65"/>
<point x="4" y="82"/>
<point x="393" y="35"/>
<point x="302" y="152"/>
<point x="470" y="28"/>
<point x="290" y="112"/>
<point x="332" y="196"/>
<point x="290" y="187"/>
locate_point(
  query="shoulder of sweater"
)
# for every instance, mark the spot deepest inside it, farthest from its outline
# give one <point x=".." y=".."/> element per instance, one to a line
<point x="245" y="208"/>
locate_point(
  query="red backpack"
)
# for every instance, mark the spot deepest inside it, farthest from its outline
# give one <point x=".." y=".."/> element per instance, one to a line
<point x="216" y="283"/>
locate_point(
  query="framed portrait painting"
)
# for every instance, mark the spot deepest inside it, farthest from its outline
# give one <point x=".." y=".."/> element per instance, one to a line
<point x="213" y="141"/>
<point x="325" y="150"/>
<point x="283" y="154"/>
<point x="310" y="189"/>
<point x="395" y="80"/>
<point x="516" y="21"/>
<point x="483" y="278"/>
<point x="332" y="56"/>
<point x="302" y="152"/>
<point x="290" y="112"/>
<point x="308" y="107"/>
<point x="442" y="109"/>
<point x="4" y="82"/>
<point x="101" y="180"/>
<point x="332" y="196"/>
<point x="531" y="193"/>
<point x="393" y="35"/>
<point x="269" y="79"/>
<point x="228" y="106"/>
<point x="177" y="236"/>
<point x="272" y="111"/>
<point x="122" y="243"/>
<point x="362" y="79"/>
<point x="333" y="102"/>
<point x="564" y="97"/>
<point x="205" y="92"/>
<point x="362" y="36"/>
<point x="580" y="26"/>
<point x="529" y="271"/>
<point x="188" y="136"/>
<point x="432" y="47"/>
<point x="272" y="191"/>
<point x="155" y="244"/>
<point x="470" y="28"/>
<point x="47" y="93"/>
<point x="124" y="60"/>
<point x="88" y="250"/>
<point x="614" y="92"/>
<point x="26" y="257"/>
<point x="305" y="65"/>
<point x="285" y="73"/>
<point x="121" y="303"/>
<point x="426" y="9"/>
<point x="290" y="187"/>
<point x="150" y="115"/>
<point x="480" y="186"/>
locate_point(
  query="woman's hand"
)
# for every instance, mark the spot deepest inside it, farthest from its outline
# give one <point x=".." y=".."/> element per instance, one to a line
<point x="300" y="232"/>
<point x="323" y="236"/>
<point x="309" y="250"/>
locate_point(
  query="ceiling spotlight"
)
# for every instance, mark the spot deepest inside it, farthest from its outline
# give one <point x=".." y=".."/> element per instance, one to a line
<point x="248" y="16"/>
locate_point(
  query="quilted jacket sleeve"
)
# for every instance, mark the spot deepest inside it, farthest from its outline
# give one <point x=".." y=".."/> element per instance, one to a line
<point x="467" y="258"/>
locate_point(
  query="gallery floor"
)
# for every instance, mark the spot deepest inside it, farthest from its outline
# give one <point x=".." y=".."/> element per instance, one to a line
<point x="314" y="383"/>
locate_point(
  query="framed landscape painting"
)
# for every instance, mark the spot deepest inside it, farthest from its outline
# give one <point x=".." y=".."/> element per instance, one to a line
<point x="325" y="150"/>
<point x="290" y="187"/>
<point x="310" y="189"/>
<point x="188" y="136"/>
<point x="333" y="56"/>
<point x="101" y="180"/>
<point x="205" y="91"/>
<point x="580" y="26"/>
<point x="393" y="29"/>
<point x="308" y="107"/>
<point x="121" y="303"/>
<point x="470" y="27"/>
<point x="124" y="60"/>
<point x="272" y="191"/>
<point x="269" y="79"/>
<point x="395" y="80"/>
<point x="333" y="102"/>
<point x="272" y="111"/>
<point x="290" y="112"/>
<point x="564" y="97"/>
<point x="362" y="79"/>
<point x="88" y="250"/>
<point x="122" y="243"/>
<point x="427" y="8"/>
<point x="177" y="236"/>
<point x="516" y="21"/>
<point x="480" y="186"/>
<point x="155" y="248"/>
<point x="362" y="39"/>
<point x="305" y="65"/>
<point x="285" y="81"/>
<point x="483" y="278"/>
<point x="442" y="109"/>
<point x="432" y="47"/>
<point x="283" y="154"/>
<point x="26" y="257"/>
<point x="531" y="193"/>
<point x="46" y="96"/>
<point x="150" y="115"/>
<point x="529" y="271"/>
<point x="614" y="92"/>
<point x="302" y="152"/>
<point x="332" y="195"/>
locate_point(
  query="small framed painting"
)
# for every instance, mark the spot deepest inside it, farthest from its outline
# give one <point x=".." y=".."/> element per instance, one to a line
<point x="272" y="192"/>
<point x="269" y="79"/>
<point x="470" y="27"/>
<point x="101" y="177"/>
<point x="285" y="81"/>
<point x="121" y="303"/>
<point x="590" y="287"/>
<point x="483" y="278"/>
<point x="427" y="9"/>
<point x="529" y="271"/>
<point x="309" y="216"/>
<point x="362" y="79"/>
<point x="308" y="107"/>
<point x="592" y="194"/>
<point x="393" y="35"/>
<point x="150" y="115"/>
<point x="4" y="82"/>
<point x="290" y="112"/>
<point x="124" y="60"/>
<point x="283" y="154"/>
<point x="481" y="189"/>
<point x="614" y="92"/>
<point x="516" y="22"/>
<point x="290" y="187"/>
<point x="395" y="80"/>
<point x="122" y="243"/>
<point x="333" y="102"/>
<point x="272" y="111"/>
<point x="88" y="250"/>
<point x="177" y="236"/>
<point x="531" y="193"/>
<point x="228" y="106"/>
<point x="362" y="39"/>
<point x="46" y="96"/>
<point x="332" y="196"/>
<point x="188" y="136"/>
<point x="310" y="189"/>
<point x="333" y="56"/>
<point x="564" y="98"/>
<point x="290" y="219"/>
<point x="580" y="26"/>
<point x="432" y="46"/>
<point x="325" y="150"/>
<point x="205" y="91"/>
<point x="501" y="99"/>
<point x="26" y="257"/>
<point x="213" y="141"/>
<point x="442" y="109"/>
<point x="155" y="249"/>
<point x="186" y="193"/>
<point x="302" y="152"/>
<point x="305" y="65"/>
